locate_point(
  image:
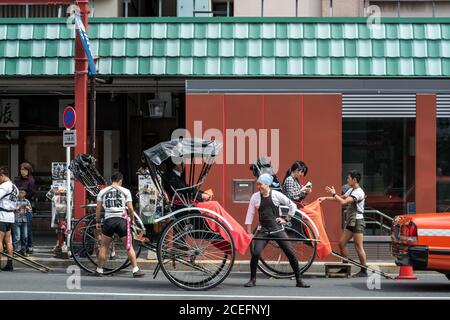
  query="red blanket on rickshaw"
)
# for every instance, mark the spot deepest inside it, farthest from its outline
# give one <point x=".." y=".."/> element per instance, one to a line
<point x="240" y="237"/>
<point x="314" y="211"/>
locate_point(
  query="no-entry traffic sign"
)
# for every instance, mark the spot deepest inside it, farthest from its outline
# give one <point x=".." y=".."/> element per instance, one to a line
<point x="69" y="117"/>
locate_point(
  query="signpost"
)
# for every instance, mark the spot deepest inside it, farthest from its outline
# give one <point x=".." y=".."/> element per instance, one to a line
<point x="69" y="141"/>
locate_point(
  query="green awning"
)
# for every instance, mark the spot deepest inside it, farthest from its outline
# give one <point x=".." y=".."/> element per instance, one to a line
<point x="257" y="47"/>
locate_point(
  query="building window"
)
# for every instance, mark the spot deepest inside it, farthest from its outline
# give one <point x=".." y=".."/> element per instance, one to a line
<point x="32" y="11"/>
<point x="223" y="9"/>
<point x="383" y="151"/>
<point x="443" y="165"/>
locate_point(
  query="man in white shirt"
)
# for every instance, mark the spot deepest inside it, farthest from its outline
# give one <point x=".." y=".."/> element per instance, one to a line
<point x="9" y="195"/>
<point x="118" y="205"/>
<point x="354" y="199"/>
<point x="267" y="202"/>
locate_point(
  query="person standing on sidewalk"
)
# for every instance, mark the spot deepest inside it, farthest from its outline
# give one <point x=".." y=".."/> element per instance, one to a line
<point x="267" y="202"/>
<point x="26" y="181"/>
<point x="20" y="225"/>
<point x="118" y="205"/>
<point x="354" y="199"/>
<point x="8" y="202"/>
<point x="291" y="185"/>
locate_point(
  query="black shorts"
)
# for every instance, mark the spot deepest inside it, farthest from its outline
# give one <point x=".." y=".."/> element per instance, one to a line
<point x="113" y="226"/>
<point x="5" y="226"/>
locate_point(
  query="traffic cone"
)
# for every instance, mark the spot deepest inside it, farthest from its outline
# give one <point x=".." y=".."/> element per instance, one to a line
<point x="406" y="273"/>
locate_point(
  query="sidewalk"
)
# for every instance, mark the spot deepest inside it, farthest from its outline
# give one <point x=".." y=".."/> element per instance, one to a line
<point x="43" y="255"/>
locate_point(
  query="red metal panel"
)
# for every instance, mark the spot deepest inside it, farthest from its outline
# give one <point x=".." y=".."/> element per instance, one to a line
<point x="323" y="153"/>
<point x="425" y="153"/>
<point x="241" y="112"/>
<point x="282" y="112"/>
<point x="207" y="110"/>
<point x="316" y="119"/>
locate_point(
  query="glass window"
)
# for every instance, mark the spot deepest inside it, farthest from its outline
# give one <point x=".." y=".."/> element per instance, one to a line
<point x="443" y="165"/>
<point x="383" y="151"/>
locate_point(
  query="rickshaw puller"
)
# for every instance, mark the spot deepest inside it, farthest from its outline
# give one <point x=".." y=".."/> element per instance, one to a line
<point x="116" y="200"/>
<point x="267" y="202"/>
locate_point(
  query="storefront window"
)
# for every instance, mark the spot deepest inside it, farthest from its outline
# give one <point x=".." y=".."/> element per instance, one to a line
<point x="383" y="151"/>
<point x="443" y="165"/>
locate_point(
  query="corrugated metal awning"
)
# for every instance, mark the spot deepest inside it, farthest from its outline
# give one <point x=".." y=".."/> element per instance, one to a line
<point x="378" y="105"/>
<point x="443" y="106"/>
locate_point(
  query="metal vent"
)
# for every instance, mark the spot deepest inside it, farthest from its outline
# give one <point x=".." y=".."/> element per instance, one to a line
<point x="378" y="105"/>
<point x="32" y="11"/>
<point x="443" y="106"/>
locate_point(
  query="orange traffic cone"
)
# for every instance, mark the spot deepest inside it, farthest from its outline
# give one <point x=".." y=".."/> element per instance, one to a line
<point x="406" y="273"/>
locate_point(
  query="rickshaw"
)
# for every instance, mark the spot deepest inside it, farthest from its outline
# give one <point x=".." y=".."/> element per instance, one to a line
<point x="184" y="262"/>
<point x="195" y="250"/>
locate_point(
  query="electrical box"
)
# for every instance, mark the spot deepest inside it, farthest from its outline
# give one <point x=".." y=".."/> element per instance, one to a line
<point x="194" y="8"/>
<point x="243" y="190"/>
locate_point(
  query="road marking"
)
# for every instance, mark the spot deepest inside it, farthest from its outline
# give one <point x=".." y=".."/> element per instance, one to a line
<point x="434" y="232"/>
<point x="218" y="295"/>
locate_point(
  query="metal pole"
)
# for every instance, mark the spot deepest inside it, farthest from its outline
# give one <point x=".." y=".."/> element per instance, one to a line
<point x="126" y="2"/>
<point x="262" y="8"/>
<point x="296" y="8"/>
<point x="68" y="197"/>
<point x="160" y="8"/>
<point x="81" y="79"/>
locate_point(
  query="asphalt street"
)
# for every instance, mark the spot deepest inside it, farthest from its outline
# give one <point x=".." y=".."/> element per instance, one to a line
<point x="30" y="284"/>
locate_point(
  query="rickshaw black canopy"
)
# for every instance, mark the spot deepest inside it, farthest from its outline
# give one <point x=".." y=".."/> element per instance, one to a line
<point x="182" y="148"/>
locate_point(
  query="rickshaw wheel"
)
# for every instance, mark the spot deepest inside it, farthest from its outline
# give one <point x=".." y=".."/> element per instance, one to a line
<point x="273" y="261"/>
<point x="193" y="256"/>
<point x="85" y="242"/>
<point x="78" y="250"/>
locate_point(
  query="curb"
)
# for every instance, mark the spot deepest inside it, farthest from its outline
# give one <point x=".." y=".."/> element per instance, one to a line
<point x="239" y="266"/>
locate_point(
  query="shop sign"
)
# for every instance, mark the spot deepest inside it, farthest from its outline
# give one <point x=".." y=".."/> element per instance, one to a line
<point x="9" y="113"/>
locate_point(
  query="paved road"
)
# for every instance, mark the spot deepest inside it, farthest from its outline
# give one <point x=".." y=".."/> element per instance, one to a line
<point x="29" y="284"/>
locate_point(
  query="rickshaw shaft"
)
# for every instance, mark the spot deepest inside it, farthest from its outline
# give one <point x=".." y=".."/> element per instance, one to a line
<point x="285" y="239"/>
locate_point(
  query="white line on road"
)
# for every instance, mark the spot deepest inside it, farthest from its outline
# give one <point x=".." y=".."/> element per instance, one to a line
<point x="117" y="294"/>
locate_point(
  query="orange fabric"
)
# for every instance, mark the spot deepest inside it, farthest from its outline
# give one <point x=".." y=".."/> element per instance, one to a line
<point x="240" y="237"/>
<point x="314" y="211"/>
